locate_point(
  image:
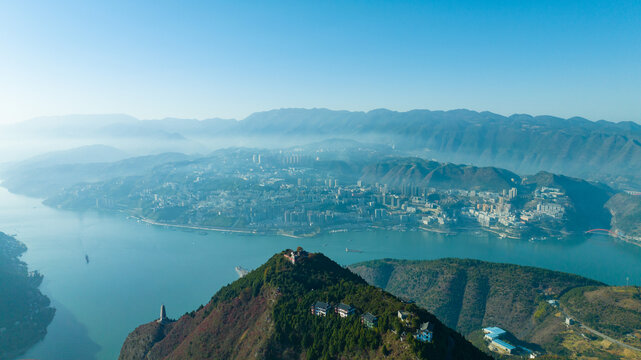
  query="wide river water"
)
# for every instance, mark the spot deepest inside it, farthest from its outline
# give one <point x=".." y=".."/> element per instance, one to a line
<point x="134" y="267"/>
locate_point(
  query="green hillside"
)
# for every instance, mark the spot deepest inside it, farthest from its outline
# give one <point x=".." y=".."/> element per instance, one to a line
<point x="626" y="213"/>
<point x="418" y="172"/>
<point x="25" y="314"/>
<point x="266" y="315"/>
<point x="469" y="295"/>
<point x="615" y="311"/>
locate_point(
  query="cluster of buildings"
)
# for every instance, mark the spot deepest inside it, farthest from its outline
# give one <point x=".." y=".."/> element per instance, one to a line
<point x="425" y="333"/>
<point x="496" y="211"/>
<point x="493" y="335"/>
<point x="288" y="192"/>
<point x="302" y="201"/>
<point x="292" y="200"/>
<point x="497" y="341"/>
<point x="321" y="308"/>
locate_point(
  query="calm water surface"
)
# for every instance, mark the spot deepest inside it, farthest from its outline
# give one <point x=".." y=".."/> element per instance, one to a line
<point x="136" y="267"/>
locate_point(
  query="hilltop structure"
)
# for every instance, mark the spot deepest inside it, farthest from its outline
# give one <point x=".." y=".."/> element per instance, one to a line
<point x="294" y="256"/>
<point x="163" y="315"/>
<point x="282" y="311"/>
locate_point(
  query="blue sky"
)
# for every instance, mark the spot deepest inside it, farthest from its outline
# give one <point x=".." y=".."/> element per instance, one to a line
<point x="155" y="59"/>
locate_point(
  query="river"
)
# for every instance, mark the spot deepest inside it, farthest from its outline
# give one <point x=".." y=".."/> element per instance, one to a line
<point x="135" y="267"/>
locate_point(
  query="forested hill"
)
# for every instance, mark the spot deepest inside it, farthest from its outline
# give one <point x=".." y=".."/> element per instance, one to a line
<point x="396" y="172"/>
<point x="470" y="294"/>
<point x="24" y="311"/>
<point x="266" y="315"/>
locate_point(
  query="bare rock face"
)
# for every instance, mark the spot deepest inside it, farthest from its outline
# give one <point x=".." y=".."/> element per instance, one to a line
<point x="140" y="341"/>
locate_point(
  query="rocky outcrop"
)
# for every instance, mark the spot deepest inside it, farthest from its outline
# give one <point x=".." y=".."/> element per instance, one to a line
<point x="140" y="341"/>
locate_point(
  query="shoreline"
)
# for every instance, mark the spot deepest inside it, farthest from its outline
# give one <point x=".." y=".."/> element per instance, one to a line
<point x="193" y="227"/>
<point x="366" y="228"/>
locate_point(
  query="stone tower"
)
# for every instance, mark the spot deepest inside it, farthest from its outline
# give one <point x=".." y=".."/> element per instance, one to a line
<point x="163" y="314"/>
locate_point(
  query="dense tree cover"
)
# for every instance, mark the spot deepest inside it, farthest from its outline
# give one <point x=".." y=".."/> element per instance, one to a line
<point x="24" y="310"/>
<point x="293" y="330"/>
<point x="317" y="278"/>
<point x="469" y="294"/>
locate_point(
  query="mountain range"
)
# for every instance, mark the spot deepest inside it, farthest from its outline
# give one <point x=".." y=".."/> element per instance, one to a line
<point x="522" y="143"/>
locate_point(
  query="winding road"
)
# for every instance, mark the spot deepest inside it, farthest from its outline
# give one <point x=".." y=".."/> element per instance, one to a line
<point x="597" y="333"/>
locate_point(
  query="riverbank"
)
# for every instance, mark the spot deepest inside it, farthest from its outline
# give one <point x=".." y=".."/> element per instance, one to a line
<point x="136" y="266"/>
<point x="23" y="319"/>
<point x="193" y="227"/>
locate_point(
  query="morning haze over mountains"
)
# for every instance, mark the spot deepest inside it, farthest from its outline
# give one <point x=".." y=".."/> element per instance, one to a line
<point x="179" y="180"/>
<point x="522" y="189"/>
<point x="601" y="150"/>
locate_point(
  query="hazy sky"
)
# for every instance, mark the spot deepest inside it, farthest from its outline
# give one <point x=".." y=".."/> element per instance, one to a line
<point x="156" y="59"/>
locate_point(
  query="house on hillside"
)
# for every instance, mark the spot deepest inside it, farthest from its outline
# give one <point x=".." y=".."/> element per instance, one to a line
<point x="425" y="333"/>
<point x="344" y="310"/>
<point x="294" y="256"/>
<point x="369" y="320"/>
<point x="403" y="315"/>
<point x="321" y="308"/>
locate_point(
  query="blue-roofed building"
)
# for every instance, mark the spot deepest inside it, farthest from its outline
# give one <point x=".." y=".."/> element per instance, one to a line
<point x="502" y="346"/>
<point x="426" y="332"/>
<point x="493" y="333"/>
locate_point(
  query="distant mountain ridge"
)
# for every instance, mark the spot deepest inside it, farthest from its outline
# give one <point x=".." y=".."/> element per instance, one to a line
<point x="41" y="178"/>
<point x="522" y="143"/>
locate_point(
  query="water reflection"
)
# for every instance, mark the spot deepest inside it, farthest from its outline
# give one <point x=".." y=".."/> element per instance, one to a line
<point x="67" y="339"/>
